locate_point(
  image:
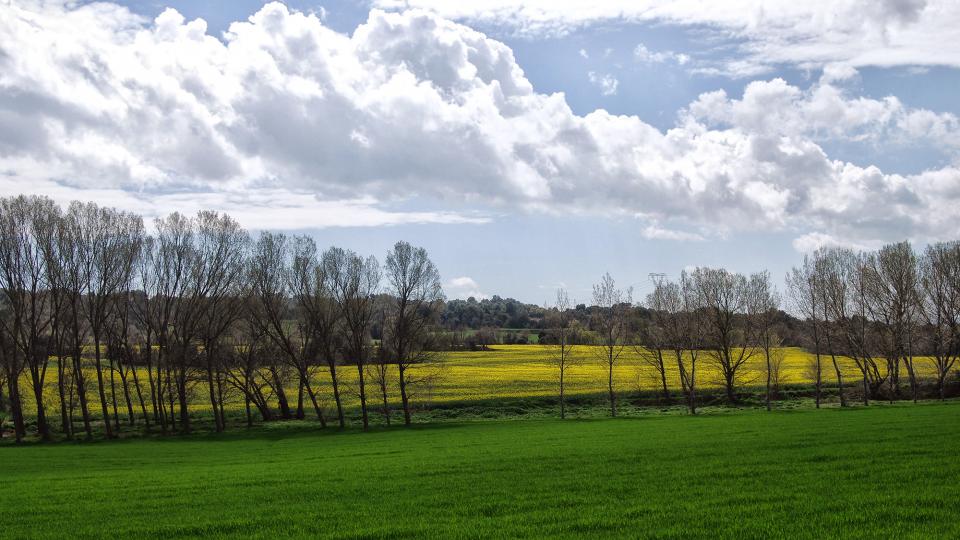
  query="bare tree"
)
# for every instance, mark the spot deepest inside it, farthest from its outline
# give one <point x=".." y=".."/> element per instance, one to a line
<point x="683" y="331"/>
<point x="725" y="298"/>
<point x="223" y="247"/>
<point x="311" y="285"/>
<point x="652" y="337"/>
<point x="270" y="277"/>
<point x="247" y="372"/>
<point x="121" y="347"/>
<point x="4" y="406"/>
<point x="892" y="289"/>
<point x="562" y="350"/>
<point x="847" y="302"/>
<point x="378" y="368"/>
<point x="611" y="322"/>
<point x="416" y="300"/>
<point x="939" y="303"/>
<point x="828" y="285"/>
<point x="163" y="275"/>
<point x="763" y="304"/>
<point x="356" y="282"/>
<point x="59" y="302"/>
<point x="804" y="294"/>
<point x="179" y="275"/>
<point x="72" y="325"/>
<point x="24" y="224"/>
<point x="103" y="237"/>
<point x="775" y="367"/>
<point x="13" y="367"/>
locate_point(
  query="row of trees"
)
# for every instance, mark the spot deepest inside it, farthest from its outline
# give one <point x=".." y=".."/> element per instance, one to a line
<point x="709" y="313"/>
<point x="196" y="301"/>
<point x="882" y="309"/>
<point x="139" y="321"/>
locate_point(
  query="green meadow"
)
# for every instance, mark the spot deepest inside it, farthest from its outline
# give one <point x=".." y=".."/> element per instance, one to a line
<point x="864" y="472"/>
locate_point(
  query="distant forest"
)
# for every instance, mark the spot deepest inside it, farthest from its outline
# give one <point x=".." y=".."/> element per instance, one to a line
<point x="501" y="320"/>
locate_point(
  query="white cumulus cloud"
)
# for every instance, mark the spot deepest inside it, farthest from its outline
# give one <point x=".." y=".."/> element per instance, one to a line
<point x="463" y="287"/>
<point x="768" y="32"/>
<point x="606" y="82"/>
<point x="644" y="55"/>
<point x="288" y="123"/>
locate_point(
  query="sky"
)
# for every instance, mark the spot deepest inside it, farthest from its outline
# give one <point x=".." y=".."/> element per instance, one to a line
<point x="527" y="145"/>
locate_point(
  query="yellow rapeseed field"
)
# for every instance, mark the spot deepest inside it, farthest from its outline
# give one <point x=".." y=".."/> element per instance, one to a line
<point x="517" y="371"/>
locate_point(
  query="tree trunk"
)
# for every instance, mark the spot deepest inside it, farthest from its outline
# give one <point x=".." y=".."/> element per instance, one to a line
<point x="336" y="391"/>
<point x="663" y="377"/>
<point x="131" y="418"/>
<point x="66" y="425"/>
<point x="403" y="394"/>
<point x="313" y="399"/>
<point x="728" y="385"/>
<point x="113" y="397"/>
<point x="101" y="386"/>
<point x="82" y="393"/>
<point x="171" y="397"/>
<point x="613" y="398"/>
<point x="43" y="429"/>
<point x="363" y="397"/>
<point x="892" y="380"/>
<point x="836" y="368"/>
<point x="281" y="395"/>
<point x="866" y="390"/>
<point x="143" y="404"/>
<point x="16" y="407"/>
<point x="261" y="403"/>
<point x="819" y="381"/>
<point x="383" y="396"/>
<point x="914" y="383"/>
<point x="766" y="352"/>
<point x="223" y="417"/>
<point x="213" y="399"/>
<point x="181" y="377"/>
<point x="180" y="373"/>
<point x="563" y="410"/>
<point x="161" y="406"/>
<point x="153" y="390"/>
<point x="246" y="403"/>
<point x="299" y="413"/>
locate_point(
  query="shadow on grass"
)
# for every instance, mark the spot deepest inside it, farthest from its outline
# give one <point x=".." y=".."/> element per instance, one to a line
<point x="534" y="410"/>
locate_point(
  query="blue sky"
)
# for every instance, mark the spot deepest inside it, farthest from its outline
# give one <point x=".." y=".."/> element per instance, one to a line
<point x="527" y="146"/>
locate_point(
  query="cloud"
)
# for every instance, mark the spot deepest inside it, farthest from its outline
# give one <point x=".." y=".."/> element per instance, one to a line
<point x="606" y="82"/>
<point x="289" y="123"/>
<point x="810" y="242"/>
<point x="807" y="34"/>
<point x="833" y="73"/>
<point x="462" y="288"/>
<point x="584" y="54"/>
<point x="655" y="232"/>
<point x="824" y="112"/>
<point x="644" y="55"/>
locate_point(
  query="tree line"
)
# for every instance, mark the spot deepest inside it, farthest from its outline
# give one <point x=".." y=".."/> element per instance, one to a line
<point x="197" y="300"/>
<point x="881" y="309"/>
<point x="135" y="322"/>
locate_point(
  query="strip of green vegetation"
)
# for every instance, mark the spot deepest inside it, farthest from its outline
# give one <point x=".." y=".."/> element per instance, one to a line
<point x="882" y="471"/>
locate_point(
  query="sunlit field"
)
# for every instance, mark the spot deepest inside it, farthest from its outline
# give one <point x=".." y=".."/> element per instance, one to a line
<point x="520" y="371"/>
<point x="868" y="472"/>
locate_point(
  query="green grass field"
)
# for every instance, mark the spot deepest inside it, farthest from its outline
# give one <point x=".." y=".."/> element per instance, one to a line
<point x="881" y="471"/>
